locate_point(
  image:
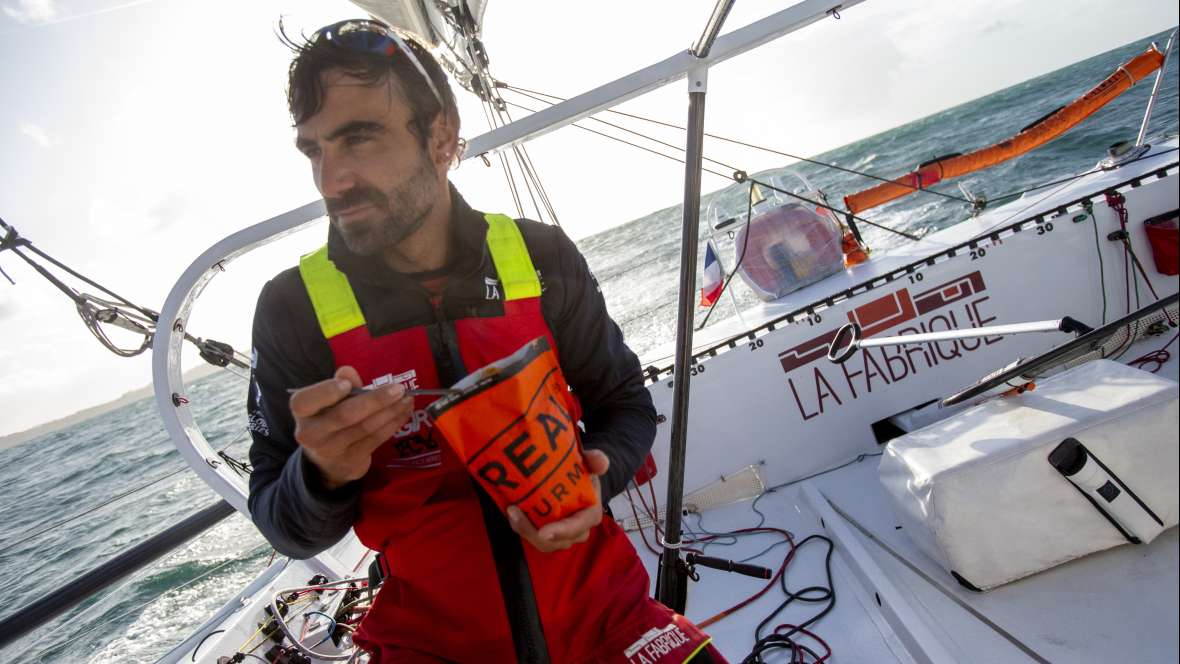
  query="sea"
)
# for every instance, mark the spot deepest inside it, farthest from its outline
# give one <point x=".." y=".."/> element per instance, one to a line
<point x="74" y="498"/>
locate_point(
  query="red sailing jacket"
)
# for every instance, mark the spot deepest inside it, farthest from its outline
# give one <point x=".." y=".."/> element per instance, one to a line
<point x="462" y="587"/>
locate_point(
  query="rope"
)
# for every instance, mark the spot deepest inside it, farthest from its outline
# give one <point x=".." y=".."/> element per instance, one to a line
<point x="12" y="235"/>
<point x="119" y="312"/>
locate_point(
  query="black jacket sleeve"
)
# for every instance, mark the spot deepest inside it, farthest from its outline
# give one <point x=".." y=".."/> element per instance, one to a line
<point x="288" y="503"/>
<point x="604" y="373"/>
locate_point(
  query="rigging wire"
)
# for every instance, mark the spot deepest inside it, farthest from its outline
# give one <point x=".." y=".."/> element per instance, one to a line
<point x="530" y="93"/>
<point x="496" y="107"/>
<point x="626" y="142"/>
<point x="496" y="114"/>
<point x="1098" y="169"/>
<point x="644" y="136"/>
<point x="740" y="176"/>
<point x="847" y="214"/>
<point x="526" y="162"/>
<point x="119" y="312"/>
<point x="1061" y="185"/>
<point x="504" y="166"/>
<point x="738" y="263"/>
<point x="14" y="242"/>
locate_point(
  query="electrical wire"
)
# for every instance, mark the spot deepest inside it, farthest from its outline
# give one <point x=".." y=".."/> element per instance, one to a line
<point x="790" y="539"/>
<point x="205" y="638"/>
<point x="860" y="457"/>
<point x="306" y="623"/>
<point x="638" y="523"/>
<point x="812" y="594"/>
<point x="1157" y="357"/>
<point x="279" y="619"/>
<point x="1089" y="207"/>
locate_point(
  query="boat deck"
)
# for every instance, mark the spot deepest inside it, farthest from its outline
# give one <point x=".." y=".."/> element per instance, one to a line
<point x="894" y="604"/>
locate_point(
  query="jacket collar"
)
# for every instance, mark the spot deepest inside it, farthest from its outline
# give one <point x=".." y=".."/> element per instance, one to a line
<point x="469" y="252"/>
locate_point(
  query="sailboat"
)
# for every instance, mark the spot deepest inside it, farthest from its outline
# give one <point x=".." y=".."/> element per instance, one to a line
<point x="833" y="422"/>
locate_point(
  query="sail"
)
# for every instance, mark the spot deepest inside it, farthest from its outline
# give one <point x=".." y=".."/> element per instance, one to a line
<point x="424" y="19"/>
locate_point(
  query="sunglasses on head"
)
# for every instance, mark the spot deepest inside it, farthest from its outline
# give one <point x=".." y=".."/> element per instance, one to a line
<point x="366" y="36"/>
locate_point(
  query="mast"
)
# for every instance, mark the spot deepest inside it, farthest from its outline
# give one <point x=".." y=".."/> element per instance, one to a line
<point x="671" y="585"/>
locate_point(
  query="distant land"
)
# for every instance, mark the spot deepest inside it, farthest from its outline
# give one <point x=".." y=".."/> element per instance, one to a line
<point x="12" y="440"/>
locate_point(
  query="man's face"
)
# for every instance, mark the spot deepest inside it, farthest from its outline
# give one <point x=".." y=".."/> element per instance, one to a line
<point x="378" y="182"/>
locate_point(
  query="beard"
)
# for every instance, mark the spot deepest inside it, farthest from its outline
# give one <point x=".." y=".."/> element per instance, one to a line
<point x="399" y="212"/>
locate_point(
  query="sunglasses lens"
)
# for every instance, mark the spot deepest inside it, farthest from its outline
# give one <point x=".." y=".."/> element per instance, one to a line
<point x="365" y="41"/>
<point x="372" y="37"/>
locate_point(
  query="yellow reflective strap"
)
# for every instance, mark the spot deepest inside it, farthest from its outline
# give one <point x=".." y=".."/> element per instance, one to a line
<point x="699" y="648"/>
<point x="331" y="296"/>
<point x="511" y="257"/>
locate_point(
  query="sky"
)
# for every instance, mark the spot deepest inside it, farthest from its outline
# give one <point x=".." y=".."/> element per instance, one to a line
<point x="134" y="134"/>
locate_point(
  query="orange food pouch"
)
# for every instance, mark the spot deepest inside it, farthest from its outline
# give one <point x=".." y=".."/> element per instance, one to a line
<point x="512" y="425"/>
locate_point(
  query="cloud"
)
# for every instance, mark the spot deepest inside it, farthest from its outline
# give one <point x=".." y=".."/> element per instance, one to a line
<point x="39" y="135"/>
<point x="8" y="306"/>
<point x="167" y="211"/>
<point x="997" y="26"/>
<point x="32" y="11"/>
<point x="45" y="12"/>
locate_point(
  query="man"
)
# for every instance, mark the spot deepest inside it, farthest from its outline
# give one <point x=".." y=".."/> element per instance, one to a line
<point x="411" y="292"/>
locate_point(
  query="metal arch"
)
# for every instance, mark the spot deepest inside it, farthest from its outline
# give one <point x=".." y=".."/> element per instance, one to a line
<point x="167" y="378"/>
<point x="655" y="76"/>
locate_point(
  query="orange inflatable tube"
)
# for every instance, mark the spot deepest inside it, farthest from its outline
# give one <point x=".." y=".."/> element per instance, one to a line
<point x="1029" y="138"/>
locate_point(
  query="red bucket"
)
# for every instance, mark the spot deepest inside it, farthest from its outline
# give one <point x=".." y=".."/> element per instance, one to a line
<point x="1164" y="237"/>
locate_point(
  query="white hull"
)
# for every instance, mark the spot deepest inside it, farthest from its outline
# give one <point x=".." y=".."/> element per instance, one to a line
<point x="755" y="401"/>
<point x="774" y="398"/>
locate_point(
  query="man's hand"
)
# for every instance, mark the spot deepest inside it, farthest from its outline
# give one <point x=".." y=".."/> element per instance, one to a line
<point x="339" y="433"/>
<point x="573" y="529"/>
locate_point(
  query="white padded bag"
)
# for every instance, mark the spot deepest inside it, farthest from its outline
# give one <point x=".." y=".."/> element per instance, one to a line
<point x="976" y="492"/>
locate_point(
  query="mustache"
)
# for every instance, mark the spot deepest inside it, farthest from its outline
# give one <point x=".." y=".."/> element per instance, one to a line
<point x="358" y="195"/>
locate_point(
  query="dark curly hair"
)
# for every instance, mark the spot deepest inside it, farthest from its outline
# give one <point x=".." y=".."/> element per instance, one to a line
<point x="313" y="57"/>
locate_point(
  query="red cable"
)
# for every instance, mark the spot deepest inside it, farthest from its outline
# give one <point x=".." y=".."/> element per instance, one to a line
<point x="781" y="570"/>
<point x="811" y="634"/>
<point x="1157" y="357"/>
<point x="639" y="525"/>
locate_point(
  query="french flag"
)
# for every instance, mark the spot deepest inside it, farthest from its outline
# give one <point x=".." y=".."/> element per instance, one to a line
<point x="712" y="283"/>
